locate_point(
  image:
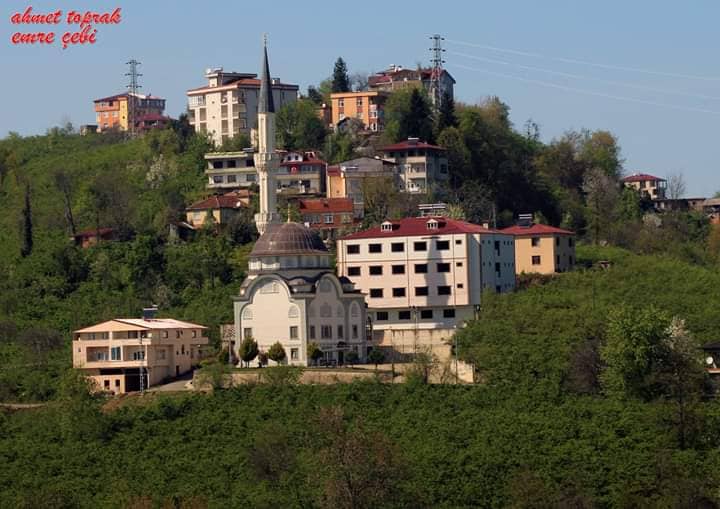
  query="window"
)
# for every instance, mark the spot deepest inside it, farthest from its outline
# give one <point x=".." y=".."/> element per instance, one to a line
<point x="442" y="245"/>
<point x="102" y="356"/>
<point x="398" y="269"/>
<point x="231" y="179"/>
<point x="194" y="333"/>
<point x="426" y="314"/>
<point x="386" y="226"/>
<point x="250" y="178"/>
<point x="177" y="334"/>
<point x="381" y="316"/>
<point x="421" y="291"/>
<point x="398" y="292"/>
<point x="312" y="332"/>
<point x="165" y="334"/>
<point x="570" y="242"/>
<point x="557" y="241"/>
<point x="535" y="241"/>
<point x="139" y="355"/>
<point x="497" y="246"/>
<point x="341" y="332"/>
<point x="106" y="384"/>
<point x="443" y="267"/>
<point x="460" y="285"/>
<point x="329" y="219"/>
<point x="459" y="264"/>
<point x="293" y="332"/>
<point x="421" y="268"/>
<point x="353" y="249"/>
<point x="117" y="382"/>
<point x="376" y="270"/>
<point x="293" y="354"/>
<point x="354" y="331"/>
<point x="557" y="260"/>
<point x="497" y="267"/>
<point x="353" y="271"/>
<point x="536" y="260"/>
<point x="375" y="248"/>
<point x="115" y="354"/>
<point x="498" y="289"/>
<point x="325" y="332"/>
<point x="458" y="242"/>
<point x="443" y="290"/>
<point x="376" y="293"/>
<point x="420" y="246"/>
<point x="247" y="332"/>
<point x="448" y="313"/>
<point x="403" y="315"/>
<point x="397" y="247"/>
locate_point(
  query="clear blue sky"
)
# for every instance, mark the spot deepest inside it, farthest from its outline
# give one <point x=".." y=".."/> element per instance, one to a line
<point x="176" y="41"/>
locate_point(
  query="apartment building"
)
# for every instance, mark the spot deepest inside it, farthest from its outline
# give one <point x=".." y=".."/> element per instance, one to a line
<point x="228" y="104"/>
<point x="115" y="354"/>
<point x="120" y="111"/>
<point x="420" y="164"/>
<point x="347" y="179"/>
<point x="648" y="186"/>
<point x="542" y="249"/>
<point x="424" y="276"/>
<point x="222" y="208"/>
<point x="301" y="172"/>
<point x="396" y="78"/>
<point x="365" y="106"/>
<point x="327" y="215"/>
<point x="230" y="170"/>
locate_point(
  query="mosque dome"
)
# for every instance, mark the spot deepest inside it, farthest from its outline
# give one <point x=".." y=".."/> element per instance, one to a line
<point x="288" y="239"/>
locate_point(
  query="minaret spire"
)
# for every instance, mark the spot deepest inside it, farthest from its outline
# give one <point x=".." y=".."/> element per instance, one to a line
<point x="266" y="160"/>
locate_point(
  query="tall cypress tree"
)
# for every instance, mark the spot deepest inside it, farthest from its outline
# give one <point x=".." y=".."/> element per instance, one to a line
<point x="27" y="245"/>
<point x="341" y="80"/>
<point x="446" y="113"/>
<point x="418" y="121"/>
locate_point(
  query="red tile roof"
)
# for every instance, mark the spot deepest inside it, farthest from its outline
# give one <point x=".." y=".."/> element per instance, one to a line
<point x="407" y="145"/>
<point x="638" y="177"/>
<point x="417" y="226"/>
<point x="536" y="229"/>
<point x="300" y="163"/>
<point x="308" y="205"/>
<point x="246" y="82"/>
<point x="224" y="201"/>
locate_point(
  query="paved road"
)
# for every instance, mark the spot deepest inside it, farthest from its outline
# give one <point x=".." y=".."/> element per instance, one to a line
<point x="179" y="384"/>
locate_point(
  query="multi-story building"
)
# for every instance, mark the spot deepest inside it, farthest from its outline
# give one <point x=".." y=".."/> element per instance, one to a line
<point x="366" y="106"/>
<point x="711" y="208"/>
<point x="541" y="248"/>
<point x="424" y="276"/>
<point x="228" y="104"/>
<point x="348" y="178"/>
<point x="222" y="208"/>
<point x="301" y="172"/>
<point x="396" y="78"/>
<point x="648" y="186"/>
<point x="420" y="165"/>
<point x="116" y="353"/>
<point x="327" y="215"/>
<point x="118" y="112"/>
<point x="230" y="170"/>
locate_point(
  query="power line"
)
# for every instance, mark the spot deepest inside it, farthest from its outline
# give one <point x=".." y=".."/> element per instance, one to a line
<point x="588" y="92"/>
<point x="585" y="62"/>
<point x="133" y="88"/>
<point x="589" y="78"/>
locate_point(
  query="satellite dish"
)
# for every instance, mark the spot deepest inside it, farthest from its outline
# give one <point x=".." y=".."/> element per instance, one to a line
<point x="709" y="361"/>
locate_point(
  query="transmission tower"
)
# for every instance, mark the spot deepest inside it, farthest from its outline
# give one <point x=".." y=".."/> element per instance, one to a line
<point x="133" y="88"/>
<point x="436" y="59"/>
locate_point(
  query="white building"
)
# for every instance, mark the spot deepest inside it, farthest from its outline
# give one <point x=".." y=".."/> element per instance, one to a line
<point x="421" y="165"/>
<point x="228" y="105"/>
<point x="291" y="295"/>
<point x="424" y="276"/>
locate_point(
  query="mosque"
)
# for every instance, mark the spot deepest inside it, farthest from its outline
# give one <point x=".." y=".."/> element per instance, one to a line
<point x="291" y="294"/>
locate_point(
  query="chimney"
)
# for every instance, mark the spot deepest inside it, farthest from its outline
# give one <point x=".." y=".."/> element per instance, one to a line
<point x="150" y="313"/>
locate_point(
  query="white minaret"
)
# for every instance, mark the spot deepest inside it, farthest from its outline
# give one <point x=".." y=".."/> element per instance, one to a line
<point x="266" y="160"/>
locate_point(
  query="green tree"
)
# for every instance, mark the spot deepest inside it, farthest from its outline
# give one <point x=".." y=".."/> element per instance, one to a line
<point x="446" y="113"/>
<point x="352" y="358"/>
<point x="27" y="231"/>
<point x="407" y="114"/>
<point x="314" y="352"/>
<point x="376" y="357"/>
<point x="248" y="350"/>
<point x="299" y="127"/>
<point x="458" y="155"/>
<point x="340" y="78"/>
<point x="277" y="352"/>
<point x="602" y="195"/>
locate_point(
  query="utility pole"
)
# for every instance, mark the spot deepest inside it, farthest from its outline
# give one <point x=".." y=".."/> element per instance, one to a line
<point x="437" y="61"/>
<point x="133" y="88"/>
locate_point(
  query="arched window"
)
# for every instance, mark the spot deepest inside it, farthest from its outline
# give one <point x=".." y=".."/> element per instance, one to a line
<point x="293" y="312"/>
<point x="247" y="314"/>
<point x="354" y="310"/>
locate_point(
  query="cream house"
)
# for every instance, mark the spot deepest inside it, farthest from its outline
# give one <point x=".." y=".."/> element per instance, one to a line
<point x="115" y="354"/>
<point x="424" y="276"/>
<point x="542" y="249"/>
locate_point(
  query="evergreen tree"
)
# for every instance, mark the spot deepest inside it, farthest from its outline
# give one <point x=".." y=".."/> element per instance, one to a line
<point x="418" y="119"/>
<point x="27" y="225"/>
<point x="340" y="80"/>
<point x="248" y="350"/>
<point x="277" y="352"/>
<point x="446" y="113"/>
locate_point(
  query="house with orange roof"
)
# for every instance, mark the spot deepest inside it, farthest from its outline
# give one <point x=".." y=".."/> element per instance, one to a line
<point x="327" y="215"/>
<point x="130" y="354"/>
<point x="222" y="208"/>
<point x="542" y="249"/>
<point x="649" y="186"/>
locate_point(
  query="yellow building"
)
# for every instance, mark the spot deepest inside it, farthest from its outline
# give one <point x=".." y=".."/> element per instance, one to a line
<point x="542" y="249"/>
<point x="364" y="106"/>
<point x="113" y="112"/>
<point x="221" y="207"/>
<point x="115" y="354"/>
